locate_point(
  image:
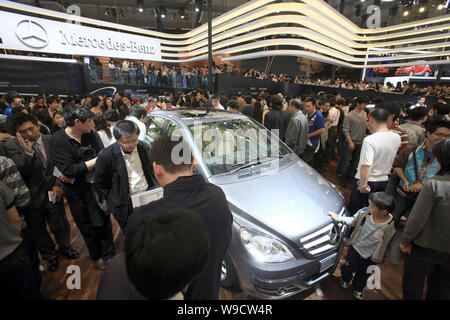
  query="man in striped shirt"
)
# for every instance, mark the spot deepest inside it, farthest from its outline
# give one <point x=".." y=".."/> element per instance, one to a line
<point x="394" y="111"/>
<point x="10" y="175"/>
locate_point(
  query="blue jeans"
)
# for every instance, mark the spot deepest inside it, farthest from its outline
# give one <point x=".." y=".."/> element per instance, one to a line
<point x="151" y="79"/>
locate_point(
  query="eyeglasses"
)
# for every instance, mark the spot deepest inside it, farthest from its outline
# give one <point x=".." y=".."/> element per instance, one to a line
<point x="129" y="144"/>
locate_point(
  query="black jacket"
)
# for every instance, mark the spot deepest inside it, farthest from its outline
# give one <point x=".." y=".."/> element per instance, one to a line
<point x="276" y="119"/>
<point x="210" y="203"/>
<point x="248" y="111"/>
<point x="38" y="179"/>
<point x="123" y="111"/>
<point x="115" y="284"/>
<point x="111" y="175"/>
<point x="43" y="116"/>
<point x="65" y="155"/>
<point x="69" y="156"/>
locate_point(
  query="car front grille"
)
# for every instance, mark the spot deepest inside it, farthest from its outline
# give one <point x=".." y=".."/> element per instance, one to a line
<point x="322" y="240"/>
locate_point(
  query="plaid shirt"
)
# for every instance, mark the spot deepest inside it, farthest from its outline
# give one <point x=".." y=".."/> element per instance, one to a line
<point x="10" y="175"/>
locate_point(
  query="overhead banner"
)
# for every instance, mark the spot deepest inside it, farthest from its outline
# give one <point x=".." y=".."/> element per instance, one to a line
<point x="20" y="32"/>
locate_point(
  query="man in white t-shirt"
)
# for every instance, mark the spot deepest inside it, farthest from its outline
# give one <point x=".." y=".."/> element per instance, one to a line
<point x="375" y="162"/>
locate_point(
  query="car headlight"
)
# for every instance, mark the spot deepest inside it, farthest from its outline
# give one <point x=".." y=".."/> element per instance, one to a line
<point x="263" y="247"/>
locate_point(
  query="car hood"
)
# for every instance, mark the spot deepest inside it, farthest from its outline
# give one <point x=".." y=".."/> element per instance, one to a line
<point x="292" y="203"/>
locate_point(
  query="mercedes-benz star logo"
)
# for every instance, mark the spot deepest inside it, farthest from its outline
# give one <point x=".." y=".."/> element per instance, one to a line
<point x="335" y="235"/>
<point x="31" y="33"/>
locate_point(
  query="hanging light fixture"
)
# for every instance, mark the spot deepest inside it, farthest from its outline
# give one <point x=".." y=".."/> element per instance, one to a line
<point x="140" y="5"/>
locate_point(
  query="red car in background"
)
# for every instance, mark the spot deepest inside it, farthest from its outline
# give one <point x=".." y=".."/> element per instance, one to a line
<point x="415" y="71"/>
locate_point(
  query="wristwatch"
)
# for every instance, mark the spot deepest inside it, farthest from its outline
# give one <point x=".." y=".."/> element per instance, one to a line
<point x="365" y="188"/>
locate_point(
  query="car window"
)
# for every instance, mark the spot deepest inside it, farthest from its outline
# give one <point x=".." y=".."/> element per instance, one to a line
<point x="229" y="144"/>
<point x="173" y="129"/>
<point x="155" y="128"/>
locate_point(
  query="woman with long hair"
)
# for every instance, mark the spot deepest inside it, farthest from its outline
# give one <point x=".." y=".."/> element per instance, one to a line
<point x="103" y="130"/>
<point x="107" y="104"/>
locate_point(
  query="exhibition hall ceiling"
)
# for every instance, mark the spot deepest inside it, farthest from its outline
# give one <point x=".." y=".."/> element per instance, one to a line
<point x="182" y="15"/>
<point x="310" y="29"/>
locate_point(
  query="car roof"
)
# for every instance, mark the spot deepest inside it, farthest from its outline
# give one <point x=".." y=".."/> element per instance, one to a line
<point x="190" y="115"/>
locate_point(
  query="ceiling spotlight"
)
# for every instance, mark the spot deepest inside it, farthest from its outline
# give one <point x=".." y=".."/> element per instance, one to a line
<point x="406" y="10"/>
<point x="140" y="5"/>
<point x="163" y="11"/>
<point x="423" y="4"/>
<point x="197" y="3"/>
<point x="182" y="13"/>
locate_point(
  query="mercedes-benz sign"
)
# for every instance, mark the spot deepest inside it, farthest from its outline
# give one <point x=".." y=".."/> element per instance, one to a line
<point x="31" y="34"/>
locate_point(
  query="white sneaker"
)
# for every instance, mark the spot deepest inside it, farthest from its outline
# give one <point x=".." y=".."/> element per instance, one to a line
<point x="358" y="294"/>
<point x="344" y="284"/>
<point x="319" y="290"/>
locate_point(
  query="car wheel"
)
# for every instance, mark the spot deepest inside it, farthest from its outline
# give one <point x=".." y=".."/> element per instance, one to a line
<point x="411" y="73"/>
<point x="228" y="276"/>
<point x="427" y="74"/>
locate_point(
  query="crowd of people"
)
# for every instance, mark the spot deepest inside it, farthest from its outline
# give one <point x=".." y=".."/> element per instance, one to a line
<point x="398" y="168"/>
<point x="195" y="77"/>
<point x="435" y="91"/>
<point x="164" y="76"/>
<point x="92" y="153"/>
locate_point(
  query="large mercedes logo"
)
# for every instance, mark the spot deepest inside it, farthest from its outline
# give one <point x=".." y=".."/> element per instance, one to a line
<point x="31" y="33"/>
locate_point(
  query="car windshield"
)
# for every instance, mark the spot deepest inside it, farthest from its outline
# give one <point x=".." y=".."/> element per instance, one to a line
<point x="229" y="145"/>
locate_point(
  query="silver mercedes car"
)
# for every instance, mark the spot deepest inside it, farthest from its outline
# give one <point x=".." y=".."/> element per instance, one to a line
<point x="283" y="241"/>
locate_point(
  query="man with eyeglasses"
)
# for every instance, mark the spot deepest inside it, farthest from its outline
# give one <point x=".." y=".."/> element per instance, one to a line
<point x="124" y="169"/>
<point x="415" y="165"/>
